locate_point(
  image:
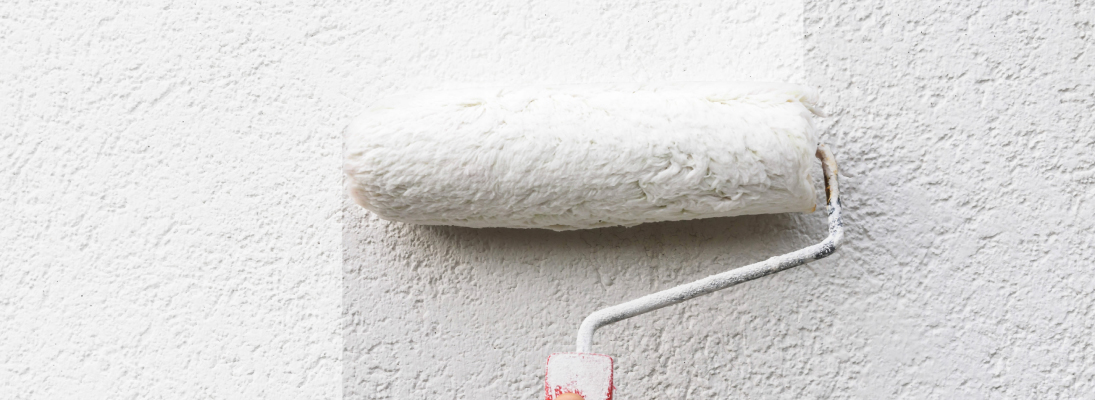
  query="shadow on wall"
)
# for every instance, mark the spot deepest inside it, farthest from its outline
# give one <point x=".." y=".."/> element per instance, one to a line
<point x="435" y="299"/>
<point x="745" y="236"/>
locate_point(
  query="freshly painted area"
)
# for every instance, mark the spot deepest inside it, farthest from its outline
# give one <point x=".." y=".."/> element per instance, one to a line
<point x="964" y="136"/>
<point x="444" y="312"/>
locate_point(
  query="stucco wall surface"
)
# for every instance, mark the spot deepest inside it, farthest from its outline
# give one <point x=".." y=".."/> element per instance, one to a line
<point x="964" y="132"/>
<point x="967" y="138"/>
<point x="172" y="217"/>
<point x="169" y="200"/>
<point x="444" y="312"/>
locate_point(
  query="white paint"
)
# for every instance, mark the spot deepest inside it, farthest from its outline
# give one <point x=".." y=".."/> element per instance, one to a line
<point x="586" y="374"/>
<point x="585" y="156"/>
<point x="170" y="178"/>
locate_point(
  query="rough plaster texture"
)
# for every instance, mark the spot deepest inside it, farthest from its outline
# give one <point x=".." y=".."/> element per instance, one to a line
<point x="171" y="202"/>
<point x="445" y="312"/>
<point x="965" y="134"/>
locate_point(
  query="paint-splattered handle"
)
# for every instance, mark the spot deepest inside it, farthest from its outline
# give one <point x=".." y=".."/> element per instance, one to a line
<point x="733" y="277"/>
<point x="578" y="376"/>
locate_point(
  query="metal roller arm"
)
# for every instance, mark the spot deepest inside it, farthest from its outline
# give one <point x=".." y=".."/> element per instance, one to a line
<point x="730" y="278"/>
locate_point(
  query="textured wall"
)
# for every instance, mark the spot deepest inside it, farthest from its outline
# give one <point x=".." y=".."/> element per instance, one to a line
<point x="170" y="205"/>
<point x="442" y="312"/>
<point x="967" y="136"/>
<point x="169" y="201"/>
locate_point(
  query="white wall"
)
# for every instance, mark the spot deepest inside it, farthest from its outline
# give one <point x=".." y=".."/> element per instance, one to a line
<point x="169" y="211"/>
<point x="967" y="136"/>
<point x="171" y="206"/>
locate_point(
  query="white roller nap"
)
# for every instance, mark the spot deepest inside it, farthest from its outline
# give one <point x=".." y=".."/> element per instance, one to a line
<point x="588" y="156"/>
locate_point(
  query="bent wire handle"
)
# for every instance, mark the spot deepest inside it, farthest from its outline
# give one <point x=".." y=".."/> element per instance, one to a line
<point x="730" y="278"/>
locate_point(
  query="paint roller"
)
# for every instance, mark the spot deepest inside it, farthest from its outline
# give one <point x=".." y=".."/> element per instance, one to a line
<point x="566" y="157"/>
